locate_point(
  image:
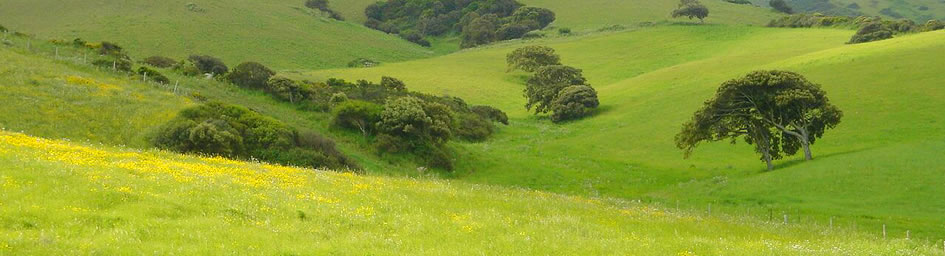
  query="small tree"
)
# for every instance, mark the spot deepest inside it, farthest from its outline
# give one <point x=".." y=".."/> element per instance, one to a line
<point x="777" y="111"/>
<point x="574" y="102"/>
<point x="250" y="75"/>
<point x="480" y="31"/>
<point x="531" y="58"/>
<point x="287" y="89"/>
<point x="541" y="16"/>
<point x="781" y="6"/>
<point x="208" y="64"/>
<point x="691" y="9"/>
<point x="871" y="32"/>
<point x="547" y="82"/>
<point x="356" y="114"/>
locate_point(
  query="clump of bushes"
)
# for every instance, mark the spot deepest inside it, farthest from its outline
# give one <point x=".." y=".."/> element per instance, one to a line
<point x="531" y="58"/>
<point x="322" y="5"/>
<point x="478" y="21"/>
<point x="202" y="64"/>
<point x="251" y="75"/>
<point x="553" y="87"/>
<point x="159" y="61"/>
<point x="220" y="129"/>
<point x="869" y="28"/>
<point x="363" y="63"/>
<point x="153" y="75"/>
<point x="117" y="64"/>
<point x="738" y="1"/>
<point x="871" y="32"/>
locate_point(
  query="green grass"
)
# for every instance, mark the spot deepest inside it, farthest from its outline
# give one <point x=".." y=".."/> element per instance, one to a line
<point x="120" y="201"/>
<point x="651" y="80"/>
<point x="595" y="14"/>
<point x="274" y="33"/>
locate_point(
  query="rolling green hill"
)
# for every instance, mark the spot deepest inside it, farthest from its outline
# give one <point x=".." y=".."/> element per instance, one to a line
<point x="879" y="165"/>
<point x="280" y="34"/>
<point x="120" y="201"/>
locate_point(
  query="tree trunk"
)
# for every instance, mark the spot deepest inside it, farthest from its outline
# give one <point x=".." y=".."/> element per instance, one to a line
<point x="768" y="161"/>
<point x="805" y="142"/>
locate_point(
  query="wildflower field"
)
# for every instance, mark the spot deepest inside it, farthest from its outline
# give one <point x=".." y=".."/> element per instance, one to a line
<point x="66" y="198"/>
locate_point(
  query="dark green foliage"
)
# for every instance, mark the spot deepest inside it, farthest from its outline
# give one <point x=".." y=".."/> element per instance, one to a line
<point x="472" y="127"/>
<point x="288" y="89"/>
<point x="250" y="75"/>
<point x="812" y="20"/>
<point x="781" y="6"/>
<point x="231" y="131"/>
<point x="691" y="9"/>
<point x="416" y="38"/>
<point x="357" y="114"/>
<point x="491" y="113"/>
<point x="205" y="64"/>
<point x="393" y="84"/>
<point x="322" y="5"/>
<point x="531" y="58"/>
<point x="480" y="31"/>
<point x="778" y="112"/>
<point x="110" y="49"/>
<point x="3" y="29"/>
<point x="504" y="19"/>
<point x="932" y="25"/>
<point x="78" y="42"/>
<point x="564" y="31"/>
<point x="422" y="127"/>
<point x="738" y="1"/>
<point x="574" y="102"/>
<point x="871" y="32"/>
<point x="153" y="75"/>
<point x="362" y="63"/>
<point x="547" y="82"/>
<point x="159" y="61"/>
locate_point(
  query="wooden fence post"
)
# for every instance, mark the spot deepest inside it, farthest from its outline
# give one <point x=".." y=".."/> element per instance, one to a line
<point x="785" y="219"/>
<point x="831" y="222"/>
<point x="175" y="86"/>
<point x="710" y="208"/>
<point x="884" y="231"/>
<point x="907" y="234"/>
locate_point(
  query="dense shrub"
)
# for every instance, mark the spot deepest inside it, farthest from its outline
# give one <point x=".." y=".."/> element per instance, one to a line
<point x="416" y="38"/>
<point x="208" y="65"/>
<point x="288" y="89"/>
<point x="153" y="75"/>
<point x="472" y="127"/>
<point x="871" y="32"/>
<point x="357" y="114"/>
<point x="512" y="31"/>
<point x="250" y="75"/>
<point x="547" y="82"/>
<point x="362" y="63"/>
<point x="393" y="84"/>
<point x="564" y="31"/>
<point x="480" y="31"/>
<point x="159" y="61"/>
<point x="108" y="48"/>
<point x="3" y="29"/>
<point x="540" y="17"/>
<point x="691" y="9"/>
<point x="531" y="58"/>
<point x="932" y="25"/>
<point x="491" y="113"/>
<point x="231" y="131"/>
<point x="574" y="102"/>
<point x="422" y="127"/>
<point x="738" y="1"/>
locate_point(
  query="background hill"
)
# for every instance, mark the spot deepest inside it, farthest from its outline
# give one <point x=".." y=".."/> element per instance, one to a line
<point x="916" y="10"/>
<point x="119" y="201"/>
<point x="282" y="34"/>
<point x="651" y="80"/>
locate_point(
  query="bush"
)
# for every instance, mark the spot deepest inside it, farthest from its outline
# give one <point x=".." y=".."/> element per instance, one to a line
<point x="564" y="31"/>
<point x="208" y="65"/>
<point x="3" y="29"/>
<point x="288" y="89"/>
<point x="358" y="115"/>
<point x="362" y="63"/>
<point x="541" y="17"/>
<point x="932" y="25"/>
<point x="546" y="84"/>
<point x="491" y="113"/>
<point x="117" y="64"/>
<point x="512" y="31"/>
<point x="416" y="38"/>
<point x="781" y="6"/>
<point x="393" y="84"/>
<point x="110" y="49"/>
<point x="250" y="75"/>
<point x="472" y="127"/>
<point x="225" y="130"/>
<point x="159" y="62"/>
<point x="871" y="32"/>
<point x="531" y="58"/>
<point x="153" y="75"/>
<point x="738" y="1"/>
<point x="574" y="102"/>
<point x="480" y="31"/>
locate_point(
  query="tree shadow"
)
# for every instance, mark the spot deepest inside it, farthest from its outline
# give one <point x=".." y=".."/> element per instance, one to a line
<point x="794" y="162"/>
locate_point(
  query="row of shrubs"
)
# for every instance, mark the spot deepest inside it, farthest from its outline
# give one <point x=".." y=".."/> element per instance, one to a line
<point x="479" y="21"/>
<point x="868" y="28"/>
<point x="216" y="128"/>
<point x="553" y="87"/>
<point x="322" y="6"/>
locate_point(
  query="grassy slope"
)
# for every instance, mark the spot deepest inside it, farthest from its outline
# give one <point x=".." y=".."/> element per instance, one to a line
<point x="595" y="14"/>
<point x="908" y="9"/>
<point x="271" y="32"/>
<point x="651" y="80"/>
<point x="119" y="201"/>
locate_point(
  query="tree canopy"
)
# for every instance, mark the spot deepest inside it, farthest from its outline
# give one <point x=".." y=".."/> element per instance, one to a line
<point x="779" y="112"/>
<point x="691" y="9"/>
<point x="531" y="58"/>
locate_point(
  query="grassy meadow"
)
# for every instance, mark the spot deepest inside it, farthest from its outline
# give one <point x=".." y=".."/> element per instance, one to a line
<point x="121" y="201"/>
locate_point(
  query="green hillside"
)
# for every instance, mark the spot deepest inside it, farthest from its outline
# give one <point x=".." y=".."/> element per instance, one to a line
<point x="280" y="33"/>
<point x="120" y="201"/>
<point x="651" y="80"/>
<point x="596" y="14"/>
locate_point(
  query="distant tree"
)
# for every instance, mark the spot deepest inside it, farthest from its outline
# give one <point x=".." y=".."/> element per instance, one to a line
<point x="110" y="49"/>
<point x="546" y="84"/>
<point x="250" y="75"/>
<point x="393" y="84"/>
<point x="159" y="61"/>
<point x="480" y="31"/>
<point x="317" y="4"/>
<point x="531" y="58"/>
<point x="781" y="6"/>
<point x="691" y="9"/>
<point x="208" y="65"/>
<point x="540" y="16"/>
<point x="356" y="114"/>
<point x="778" y="112"/>
<point x="573" y="102"/>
